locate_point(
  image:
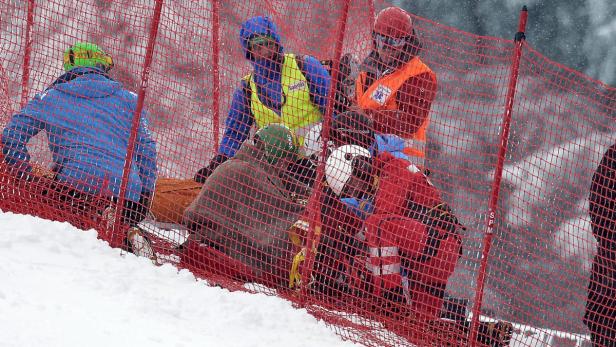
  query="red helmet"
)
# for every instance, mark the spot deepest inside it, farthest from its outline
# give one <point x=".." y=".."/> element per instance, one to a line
<point x="393" y="22"/>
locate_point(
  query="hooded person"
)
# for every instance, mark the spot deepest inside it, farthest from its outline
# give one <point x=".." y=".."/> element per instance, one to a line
<point x="88" y="119"/>
<point x="244" y="210"/>
<point x="395" y="87"/>
<point x="282" y="88"/>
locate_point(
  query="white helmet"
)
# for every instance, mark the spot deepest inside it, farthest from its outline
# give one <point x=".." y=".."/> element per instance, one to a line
<point x="339" y="166"/>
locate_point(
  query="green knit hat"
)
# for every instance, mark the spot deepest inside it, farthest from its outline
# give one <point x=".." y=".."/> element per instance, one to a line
<point x="279" y="142"/>
<point x="86" y="54"/>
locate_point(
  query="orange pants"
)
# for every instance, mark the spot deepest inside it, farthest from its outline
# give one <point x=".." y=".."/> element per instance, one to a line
<point x="171" y="197"/>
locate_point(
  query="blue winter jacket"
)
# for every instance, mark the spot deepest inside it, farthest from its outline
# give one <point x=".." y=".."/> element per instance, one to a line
<point x="267" y="78"/>
<point x="88" y="124"/>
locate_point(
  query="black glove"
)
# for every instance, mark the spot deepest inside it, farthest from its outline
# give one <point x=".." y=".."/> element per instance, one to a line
<point x="205" y="172"/>
<point x="441" y="216"/>
<point x="145" y="199"/>
<point x="303" y="170"/>
<point x="135" y="212"/>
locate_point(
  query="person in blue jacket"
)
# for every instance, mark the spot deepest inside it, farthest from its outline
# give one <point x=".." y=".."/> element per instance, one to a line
<point x="282" y="88"/>
<point x="88" y="119"/>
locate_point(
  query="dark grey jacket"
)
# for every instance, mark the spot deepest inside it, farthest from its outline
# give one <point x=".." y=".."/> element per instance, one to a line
<point x="244" y="209"/>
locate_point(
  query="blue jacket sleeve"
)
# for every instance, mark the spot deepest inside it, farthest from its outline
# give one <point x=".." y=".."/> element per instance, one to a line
<point x="238" y="123"/>
<point x="318" y="81"/>
<point x="362" y="208"/>
<point x="145" y="156"/>
<point x="20" y="129"/>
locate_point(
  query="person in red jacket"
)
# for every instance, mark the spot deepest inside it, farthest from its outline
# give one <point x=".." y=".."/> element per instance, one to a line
<point x="411" y="229"/>
<point x="411" y="234"/>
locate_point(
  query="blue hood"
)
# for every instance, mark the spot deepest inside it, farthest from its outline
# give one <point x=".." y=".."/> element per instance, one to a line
<point x="266" y="73"/>
<point x="258" y="26"/>
<point x="89" y="86"/>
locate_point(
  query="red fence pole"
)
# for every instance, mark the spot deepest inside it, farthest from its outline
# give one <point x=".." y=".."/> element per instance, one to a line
<point x="498" y="173"/>
<point x="145" y="74"/>
<point x="314" y="204"/>
<point x="215" y="71"/>
<point x="25" y="77"/>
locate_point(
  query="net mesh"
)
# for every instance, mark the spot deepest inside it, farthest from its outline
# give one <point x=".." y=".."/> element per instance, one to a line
<point x="370" y="207"/>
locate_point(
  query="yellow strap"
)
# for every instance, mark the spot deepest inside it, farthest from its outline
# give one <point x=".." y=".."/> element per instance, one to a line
<point x="295" y="277"/>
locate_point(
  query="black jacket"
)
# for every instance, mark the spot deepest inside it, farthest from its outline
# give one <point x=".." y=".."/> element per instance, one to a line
<point x="600" y="314"/>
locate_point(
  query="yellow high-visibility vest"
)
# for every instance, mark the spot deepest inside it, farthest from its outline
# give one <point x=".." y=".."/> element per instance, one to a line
<point x="298" y="112"/>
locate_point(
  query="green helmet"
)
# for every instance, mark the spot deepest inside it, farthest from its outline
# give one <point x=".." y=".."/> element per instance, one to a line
<point x="85" y="54"/>
<point x="278" y="142"/>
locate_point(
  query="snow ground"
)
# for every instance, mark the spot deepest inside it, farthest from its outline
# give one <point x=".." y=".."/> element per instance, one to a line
<point x="60" y="286"/>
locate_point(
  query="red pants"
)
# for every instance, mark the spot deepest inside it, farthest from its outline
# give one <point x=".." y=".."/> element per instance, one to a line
<point x="398" y="243"/>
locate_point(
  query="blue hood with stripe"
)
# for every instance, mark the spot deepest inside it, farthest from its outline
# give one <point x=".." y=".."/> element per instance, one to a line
<point x="266" y="73"/>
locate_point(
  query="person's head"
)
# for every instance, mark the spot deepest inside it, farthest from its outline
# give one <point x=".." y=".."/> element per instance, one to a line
<point x="86" y="54"/>
<point x="352" y="128"/>
<point x="349" y="171"/>
<point x="393" y="31"/>
<point x="260" y="39"/>
<point x="278" y="145"/>
<point x="349" y="71"/>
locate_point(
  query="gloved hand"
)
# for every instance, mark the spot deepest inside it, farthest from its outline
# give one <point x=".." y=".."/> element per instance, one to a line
<point x="442" y="217"/>
<point x="145" y="201"/>
<point x="205" y="172"/>
<point x="303" y="170"/>
<point x="134" y="212"/>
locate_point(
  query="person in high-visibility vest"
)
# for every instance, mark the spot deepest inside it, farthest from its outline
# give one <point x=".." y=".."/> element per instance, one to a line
<point x="395" y="88"/>
<point x="282" y="88"/>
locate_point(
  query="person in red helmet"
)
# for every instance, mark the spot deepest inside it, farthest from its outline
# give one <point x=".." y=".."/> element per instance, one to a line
<point x="395" y="88"/>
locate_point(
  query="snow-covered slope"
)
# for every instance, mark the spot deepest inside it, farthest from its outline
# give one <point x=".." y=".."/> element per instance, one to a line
<point x="60" y="286"/>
